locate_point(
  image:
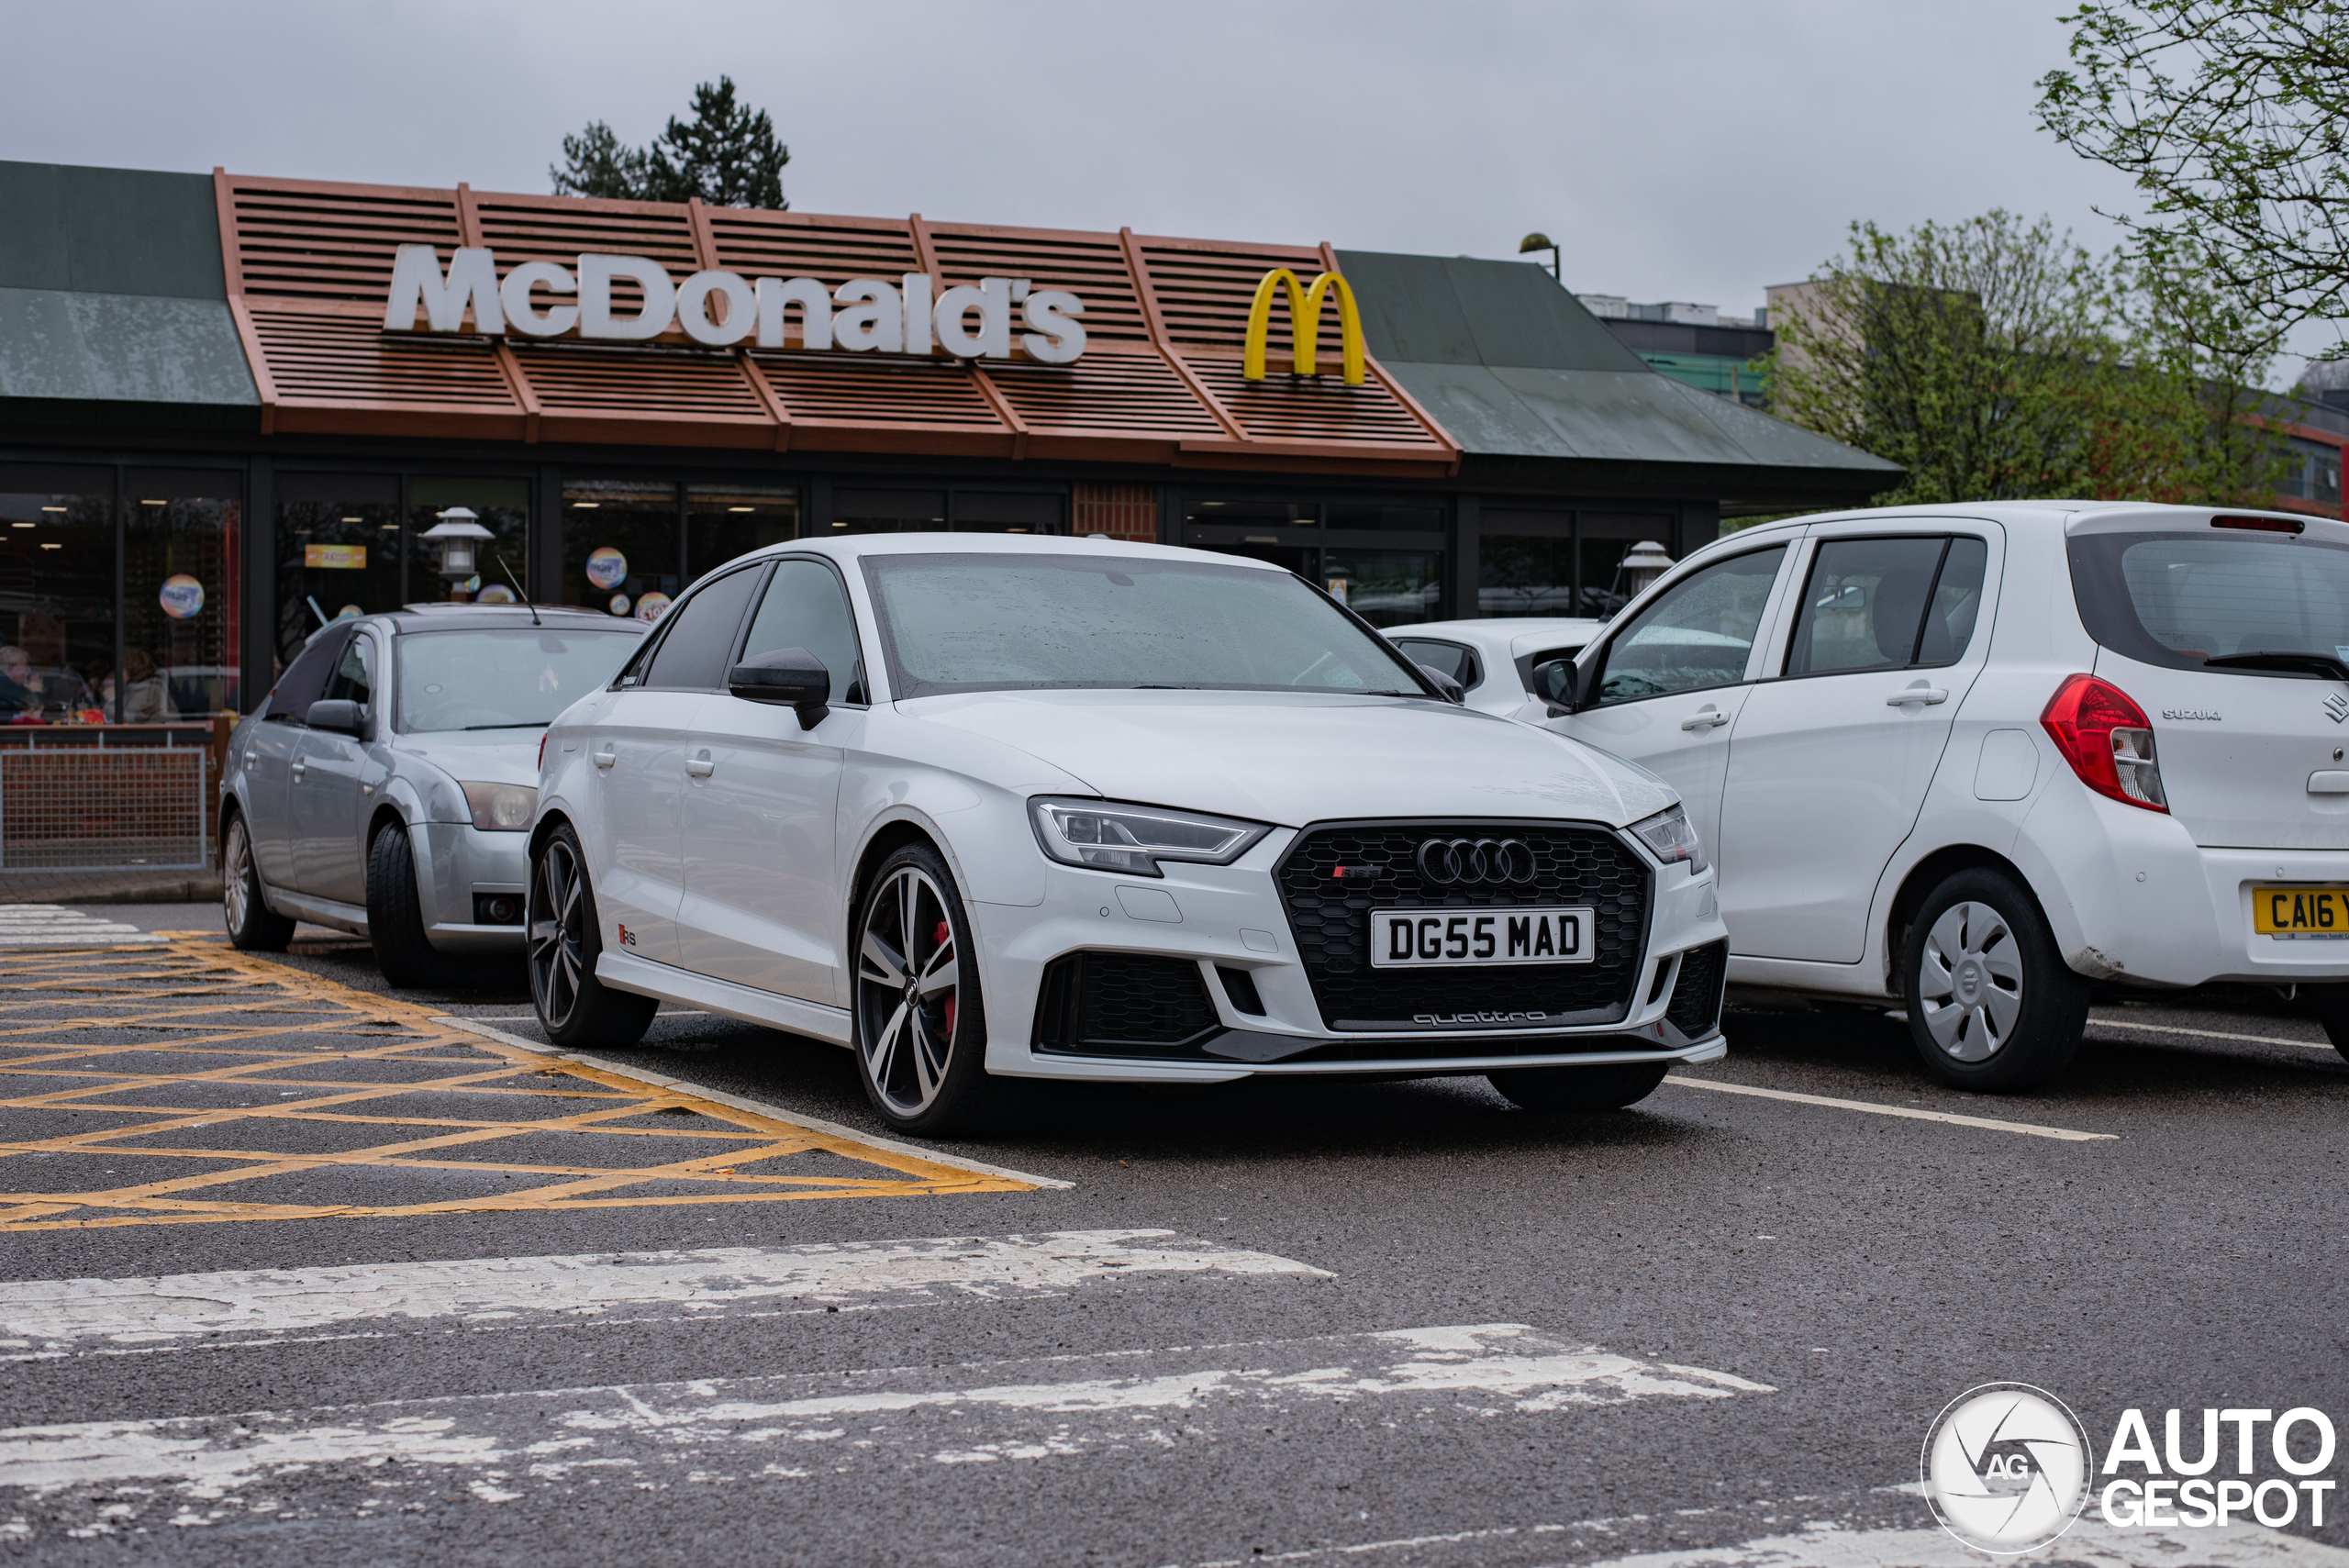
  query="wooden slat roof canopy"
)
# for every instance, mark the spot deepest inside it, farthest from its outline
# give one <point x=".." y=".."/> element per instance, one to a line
<point x="309" y="264"/>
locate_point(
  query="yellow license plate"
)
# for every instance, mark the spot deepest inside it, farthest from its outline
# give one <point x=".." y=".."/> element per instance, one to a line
<point x="2300" y="911"/>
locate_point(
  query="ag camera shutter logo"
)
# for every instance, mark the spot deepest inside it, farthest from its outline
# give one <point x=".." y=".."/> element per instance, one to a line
<point x="2006" y="1468"/>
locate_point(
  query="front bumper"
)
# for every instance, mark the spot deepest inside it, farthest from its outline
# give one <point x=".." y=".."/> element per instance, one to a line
<point x="457" y="866"/>
<point x="1233" y="918"/>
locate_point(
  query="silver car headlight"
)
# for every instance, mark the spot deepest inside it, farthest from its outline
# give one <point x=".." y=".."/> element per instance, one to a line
<point x="1134" y="838"/>
<point x="1671" y="837"/>
<point x="500" y="807"/>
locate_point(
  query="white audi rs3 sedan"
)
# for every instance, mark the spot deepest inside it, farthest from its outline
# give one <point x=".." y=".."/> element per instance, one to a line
<point x="982" y="808"/>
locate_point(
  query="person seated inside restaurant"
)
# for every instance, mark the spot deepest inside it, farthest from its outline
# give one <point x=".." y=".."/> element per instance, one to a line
<point x="20" y="694"/>
<point x="146" y="697"/>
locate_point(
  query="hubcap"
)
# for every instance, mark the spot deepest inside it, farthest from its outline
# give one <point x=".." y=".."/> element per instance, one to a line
<point x="908" y="971"/>
<point x="235" y="896"/>
<point x="1970" y="983"/>
<point x="558" y="934"/>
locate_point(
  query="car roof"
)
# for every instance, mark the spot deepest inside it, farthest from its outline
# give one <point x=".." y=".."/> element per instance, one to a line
<point x="449" y="617"/>
<point x="845" y="548"/>
<point x="1519" y="634"/>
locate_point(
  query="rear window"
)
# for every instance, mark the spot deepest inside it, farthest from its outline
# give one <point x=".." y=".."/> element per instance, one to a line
<point x="2176" y="599"/>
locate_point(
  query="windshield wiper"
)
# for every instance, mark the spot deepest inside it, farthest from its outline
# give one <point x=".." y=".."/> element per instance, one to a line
<point x="519" y="724"/>
<point x="2332" y="666"/>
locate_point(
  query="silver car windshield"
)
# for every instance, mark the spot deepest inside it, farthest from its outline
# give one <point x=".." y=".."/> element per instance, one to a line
<point x="977" y="623"/>
<point x="502" y="680"/>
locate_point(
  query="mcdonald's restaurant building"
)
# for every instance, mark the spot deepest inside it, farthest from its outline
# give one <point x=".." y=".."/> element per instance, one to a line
<point x="231" y="407"/>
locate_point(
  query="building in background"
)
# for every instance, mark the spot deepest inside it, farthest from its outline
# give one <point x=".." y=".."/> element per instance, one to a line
<point x="1696" y="345"/>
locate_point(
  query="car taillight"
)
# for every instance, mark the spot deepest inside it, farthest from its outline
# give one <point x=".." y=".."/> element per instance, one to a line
<point x="543" y="753"/>
<point x="2107" y="739"/>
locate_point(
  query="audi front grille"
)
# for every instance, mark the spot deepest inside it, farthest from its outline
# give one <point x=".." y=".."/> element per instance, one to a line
<point x="1474" y="865"/>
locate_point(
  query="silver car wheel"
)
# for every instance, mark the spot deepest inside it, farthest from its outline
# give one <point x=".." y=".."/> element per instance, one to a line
<point x="1970" y="982"/>
<point x="236" y="885"/>
<point x="908" y="973"/>
<point x="558" y="933"/>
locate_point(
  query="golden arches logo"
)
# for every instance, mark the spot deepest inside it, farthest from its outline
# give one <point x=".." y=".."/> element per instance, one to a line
<point x="1304" y="325"/>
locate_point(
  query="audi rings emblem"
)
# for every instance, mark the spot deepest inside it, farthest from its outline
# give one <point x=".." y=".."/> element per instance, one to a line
<point x="1460" y="863"/>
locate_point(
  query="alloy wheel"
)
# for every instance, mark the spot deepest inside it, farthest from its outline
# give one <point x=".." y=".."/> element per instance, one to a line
<point x="558" y="933"/>
<point x="908" y="973"/>
<point x="236" y="888"/>
<point x="1971" y="982"/>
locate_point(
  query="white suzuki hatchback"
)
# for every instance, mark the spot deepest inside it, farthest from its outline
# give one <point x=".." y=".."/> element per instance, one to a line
<point x="1975" y="758"/>
<point x="984" y="807"/>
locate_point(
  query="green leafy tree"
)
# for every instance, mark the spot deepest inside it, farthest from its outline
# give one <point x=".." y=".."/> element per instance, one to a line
<point x="1995" y="359"/>
<point x="597" y="163"/>
<point x="727" y="154"/>
<point x="2233" y="117"/>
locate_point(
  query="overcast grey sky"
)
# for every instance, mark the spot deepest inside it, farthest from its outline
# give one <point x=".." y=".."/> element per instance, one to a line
<point x="1677" y="151"/>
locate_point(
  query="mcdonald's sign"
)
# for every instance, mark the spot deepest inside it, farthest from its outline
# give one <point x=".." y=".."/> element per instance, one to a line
<point x="1304" y="325"/>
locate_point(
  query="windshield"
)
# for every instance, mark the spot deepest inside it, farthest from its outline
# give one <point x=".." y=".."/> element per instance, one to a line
<point x="502" y="680"/>
<point x="976" y="623"/>
<point x="2177" y="599"/>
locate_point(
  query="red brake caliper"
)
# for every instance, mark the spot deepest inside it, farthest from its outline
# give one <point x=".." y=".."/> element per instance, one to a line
<point x="939" y="940"/>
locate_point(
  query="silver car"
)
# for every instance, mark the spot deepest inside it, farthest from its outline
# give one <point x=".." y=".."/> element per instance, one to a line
<point x="385" y="787"/>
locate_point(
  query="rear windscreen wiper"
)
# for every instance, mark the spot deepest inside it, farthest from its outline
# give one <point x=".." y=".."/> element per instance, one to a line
<point x="524" y="724"/>
<point x="2332" y="666"/>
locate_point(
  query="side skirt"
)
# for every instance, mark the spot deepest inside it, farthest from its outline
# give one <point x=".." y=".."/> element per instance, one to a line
<point x="625" y="972"/>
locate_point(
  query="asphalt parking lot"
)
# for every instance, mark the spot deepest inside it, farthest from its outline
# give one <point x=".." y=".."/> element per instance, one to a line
<point x="301" y="1270"/>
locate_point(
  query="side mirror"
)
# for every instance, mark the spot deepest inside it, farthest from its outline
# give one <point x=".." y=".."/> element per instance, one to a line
<point x="338" y="713"/>
<point x="1553" y="681"/>
<point x="1454" y="692"/>
<point x="789" y="677"/>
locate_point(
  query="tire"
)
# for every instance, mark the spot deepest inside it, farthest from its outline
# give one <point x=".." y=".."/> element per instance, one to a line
<point x="395" y="916"/>
<point x="565" y="940"/>
<point x="2332" y="1004"/>
<point x="1579" y="1091"/>
<point x="1992" y="1006"/>
<point x="253" y="925"/>
<point x="919" y="1028"/>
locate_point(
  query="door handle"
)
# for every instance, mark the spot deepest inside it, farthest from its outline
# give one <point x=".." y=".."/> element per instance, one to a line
<point x="298" y="769"/>
<point x="1928" y="696"/>
<point x="1705" y="719"/>
<point x="606" y="759"/>
<point x="700" y="767"/>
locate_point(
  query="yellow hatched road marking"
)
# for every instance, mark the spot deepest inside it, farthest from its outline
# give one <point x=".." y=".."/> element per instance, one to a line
<point x="146" y="1033"/>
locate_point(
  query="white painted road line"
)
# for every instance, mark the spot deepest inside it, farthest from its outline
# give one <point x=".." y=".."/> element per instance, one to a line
<point x="2325" y="1045"/>
<point x="54" y="926"/>
<point x="52" y="1316"/>
<point x="1988" y="1124"/>
<point x="2091" y="1540"/>
<point x="499" y="1447"/>
<point x="760" y="1107"/>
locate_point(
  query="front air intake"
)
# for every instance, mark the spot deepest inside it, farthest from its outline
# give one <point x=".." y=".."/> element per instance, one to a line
<point x="1123" y="1004"/>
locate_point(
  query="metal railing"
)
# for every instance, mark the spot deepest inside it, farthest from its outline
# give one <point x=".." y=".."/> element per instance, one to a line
<point x="106" y="797"/>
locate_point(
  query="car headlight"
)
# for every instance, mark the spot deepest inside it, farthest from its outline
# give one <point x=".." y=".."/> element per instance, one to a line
<point x="500" y="807"/>
<point x="1134" y="838"/>
<point x="1672" y="836"/>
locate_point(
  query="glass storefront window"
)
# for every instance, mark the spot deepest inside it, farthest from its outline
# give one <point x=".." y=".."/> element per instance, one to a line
<point x="57" y="588"/>
<point x="887" y="511"/>
<point x="339" y="552"/>
<point x="1525" y="574"/>
<point x="620" y="546"/>
<point x="1410" y="519"/>
<point x="501" y="505"/>
<point x="1386" y="587"/>
<point x="180" y="593"/>
<point x="723" y="521"/>
<point x="1008" y="512"/>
